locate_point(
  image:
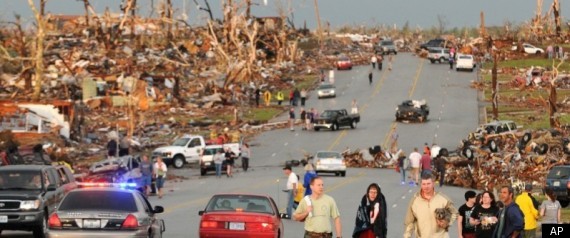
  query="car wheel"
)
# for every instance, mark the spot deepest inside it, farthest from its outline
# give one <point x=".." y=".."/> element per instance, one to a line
<point x="203" y="172"/>
<point x="395" y="53"/>
<point x="432" y="61"/>
<point x="178" y="161"/>
<point x="493" y="146"/>
<point x="41" y="231"/>
<point x="526" y="138"/>
<point x="441" y="60"/>
<point x="353" y="124"/>
<point x="541" y="149"/>
<point x="317" y="128"/>
<point x="350" y="67"/>
<point x="537" y="52"/>
<point x="563" y="203"/>
<point x="343" y="174"/>
<point x="337" y="68"/>
<point x="334" y="127"/>
<point x="468" y="153"/>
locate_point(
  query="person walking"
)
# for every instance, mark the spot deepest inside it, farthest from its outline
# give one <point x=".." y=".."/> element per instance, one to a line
<point x="484" y="216"/>
<point x="372" y="214"/>
<point x="219" y="158"/>
<point x="526" y="205"/>
<point x="440" y="162"/>
<point x="370" y="78"/>
<point x="390" y="59"/>
<point x="146" y="172"/>
<point x="303" y="96"/>
<point x="124" y="146"/>
<point x="373" y="61"/>
<point x="292" y="119"/>
<point x="291" y="98"/>
<point x="511" y="221"/>
<point x="316" y="210"/>
<point x="296" y="96"/>
<point x="303" y="116"/>
<point x="550" y="51"/>
<point x="426" y="164"/>
<point x="159" y="173"/>
<point x="257" y="96"/>
<point x="420" y="216"/>
<point x="403" y="163"/>
<point x="267" y="98"/>
<point x="380" y="59"/>
<point x="309" y="174"/>
<point x="280" y="98"/>
<point x="415" y="162"/>
<point x="394" y="140"/>
<point x="245" y="155"/>
<point x="451" y="58"/>
<point x="308" y="119"/>
<point x="550" y="208"/>
<point x="354" y="107"/>
<point x="112" y="148"/>
<point x="464" y="227"/>
<point x="230" y="158"/>
<point x="291" y="189"/>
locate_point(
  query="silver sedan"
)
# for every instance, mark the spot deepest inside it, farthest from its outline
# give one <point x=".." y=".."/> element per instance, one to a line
<point x="330" y="162"/>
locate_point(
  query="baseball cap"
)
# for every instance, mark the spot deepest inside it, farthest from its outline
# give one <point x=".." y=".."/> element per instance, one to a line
<point x="287" y="167"/>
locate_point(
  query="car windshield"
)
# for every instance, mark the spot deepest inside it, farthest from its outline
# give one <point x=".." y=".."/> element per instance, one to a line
<point x="247" y="203"/>
<point x="24" y="180"/>
<point x="559" y="173"/>
<point x="99" y="200"/>
<point x="387" y="43"/>
<point x="181" y="142"/>
<point x="328" y="154"/>
<point x="326" y="86"/>
<point x="328" y="113"/>
<point x="466" y="57"/>
<point x="435" y="51"/>
<point x="210" y="151"/>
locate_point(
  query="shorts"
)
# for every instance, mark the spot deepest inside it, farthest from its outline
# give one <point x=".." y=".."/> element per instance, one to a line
<point x="146" y="180"/>
<point x="159" y="182"/>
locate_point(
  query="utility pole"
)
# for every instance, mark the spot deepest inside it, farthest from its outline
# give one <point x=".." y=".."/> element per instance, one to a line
<point x="319" y="29"/>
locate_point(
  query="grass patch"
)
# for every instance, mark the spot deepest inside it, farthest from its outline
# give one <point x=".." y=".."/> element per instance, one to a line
<point x="528" y="62"/>
<point x="261" y="114"/>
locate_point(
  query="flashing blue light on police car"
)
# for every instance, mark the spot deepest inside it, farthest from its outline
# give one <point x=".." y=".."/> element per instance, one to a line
<point x="109" y="185"/>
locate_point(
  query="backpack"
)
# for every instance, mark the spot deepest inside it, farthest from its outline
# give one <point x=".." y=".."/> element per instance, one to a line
<point x="535" y="202"/>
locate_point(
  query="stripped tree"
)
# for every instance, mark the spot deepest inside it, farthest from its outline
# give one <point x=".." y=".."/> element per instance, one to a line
<point x="39" y="51"/>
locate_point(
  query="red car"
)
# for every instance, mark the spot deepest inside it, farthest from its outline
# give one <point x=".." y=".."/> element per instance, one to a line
<point x="343" y="62"/>
<point x="240" y="215"/>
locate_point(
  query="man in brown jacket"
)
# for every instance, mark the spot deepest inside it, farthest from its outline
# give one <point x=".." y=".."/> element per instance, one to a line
<point x="421" y="215"/>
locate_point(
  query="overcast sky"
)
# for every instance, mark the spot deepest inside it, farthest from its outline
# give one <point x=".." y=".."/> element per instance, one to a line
<point x="422" y="13"/>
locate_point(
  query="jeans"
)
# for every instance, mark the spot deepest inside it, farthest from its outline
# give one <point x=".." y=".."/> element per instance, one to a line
<point x="441" y="177"/>
<point x="218" y="170"/>
<point x="403" y="172"/>
<point x="244" y="163"/>
<point x="290" y="202"/>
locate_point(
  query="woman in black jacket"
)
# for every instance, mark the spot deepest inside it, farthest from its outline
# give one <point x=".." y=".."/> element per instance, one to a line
<point x="371" y="217"/>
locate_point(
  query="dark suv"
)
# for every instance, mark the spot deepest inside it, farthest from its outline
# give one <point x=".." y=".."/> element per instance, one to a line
<point x="433" y="43"/>
<point x="558" y="179"/>
<point x="29" y="193"/>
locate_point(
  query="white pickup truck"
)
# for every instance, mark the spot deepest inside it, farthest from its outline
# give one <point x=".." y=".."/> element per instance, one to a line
<point x="207" y="156"/>
<point x="184" y="150"/>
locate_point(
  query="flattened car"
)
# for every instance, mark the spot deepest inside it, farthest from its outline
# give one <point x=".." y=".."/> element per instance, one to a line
<point x="412" y="110"/>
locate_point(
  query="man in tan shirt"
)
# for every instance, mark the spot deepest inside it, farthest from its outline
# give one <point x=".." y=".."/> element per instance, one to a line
<point x="316" y="210"/>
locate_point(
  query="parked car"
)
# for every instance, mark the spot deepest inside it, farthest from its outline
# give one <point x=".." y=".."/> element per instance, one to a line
<point x="106" y="210"/>
<point x="433" y="43"/>
<point x="207" y="157"/>
<point x="529" y="49"/>
<point x="386" y="47"/>
<point x="184" y="150"/>
<point x="558" y="179"/>
<point x="465" y="62"/>
<point x="326" y="90"/>
<point x="334" y="119"/>
<point x="330" y="162"/>
<point x="412" y="110"/>
<point x="498" y="127"/>
<point x="241" y="216"/>
<point x="438" y="54"/>
<point x="343" y="62"/>
<point x="29" y="193"/>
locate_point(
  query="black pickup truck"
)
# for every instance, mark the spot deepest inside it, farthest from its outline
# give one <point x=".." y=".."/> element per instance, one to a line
<point x="412" y="110"/>
<point x="334" y="119"/>
<point x="29" y="193"/>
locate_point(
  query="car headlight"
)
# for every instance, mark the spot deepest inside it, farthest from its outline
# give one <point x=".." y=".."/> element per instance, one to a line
<point x="30" y="204"/>
<point x="332" y="91"/>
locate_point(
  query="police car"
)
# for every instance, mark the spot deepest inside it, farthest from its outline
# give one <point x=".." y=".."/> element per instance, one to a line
<point x="106" y="210"/>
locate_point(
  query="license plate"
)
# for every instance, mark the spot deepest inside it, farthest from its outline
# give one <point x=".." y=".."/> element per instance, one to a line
<point x="3" y="219"/>
<point x="556" y="183"/>
<point x="237" y="226"/>
<point x="91" y="223"/>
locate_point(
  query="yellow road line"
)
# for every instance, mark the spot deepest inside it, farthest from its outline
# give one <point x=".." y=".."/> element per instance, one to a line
<point x="337" y="140"/>
<point x="416" y="78"/>
<point x="345" y="182"/>
<point x="387" y="137"/>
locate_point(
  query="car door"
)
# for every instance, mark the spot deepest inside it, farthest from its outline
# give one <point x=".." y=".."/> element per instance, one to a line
<point x="150" y="219"/>
<point x="53" y="198"/>
<point x="193" y="150"/>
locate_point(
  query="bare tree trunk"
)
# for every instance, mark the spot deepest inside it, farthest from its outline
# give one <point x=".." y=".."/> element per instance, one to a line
<point x="43" y="7"/>
<point x="557" y="21"/>
<point x="482" y="29"/>
<point x="495" y="99"/>
<point x="86" y="5"/>
<point x="248" y="9"/>
<point x="554" y="122"/>
<point x="39" y="54"/>
<point x="206" y="9"/>
<point x="169" y="16"/>
<point x="319" y="28"/>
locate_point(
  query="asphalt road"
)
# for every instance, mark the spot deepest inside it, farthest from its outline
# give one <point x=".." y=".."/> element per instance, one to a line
<point x="453" y="114"/>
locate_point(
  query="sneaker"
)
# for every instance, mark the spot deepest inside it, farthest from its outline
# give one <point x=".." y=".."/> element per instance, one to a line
<point x="402" y="183"/>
